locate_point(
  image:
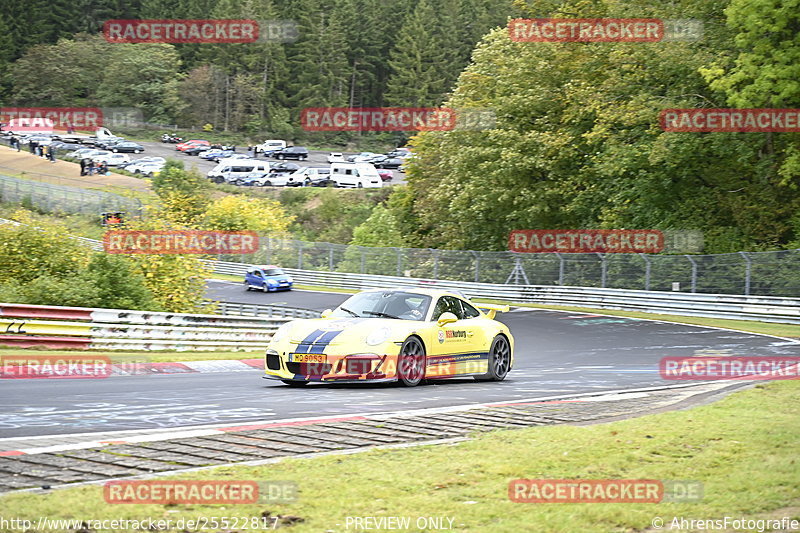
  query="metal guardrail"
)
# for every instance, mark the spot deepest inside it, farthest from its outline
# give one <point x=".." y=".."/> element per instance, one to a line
<point x="727" y="306"/>
<point x="775" y="273"/>
<point x="248" y="309"/>
<point x="737" y="307"/>
<point x="120" y="329"/>
<point x="63" y="198"/>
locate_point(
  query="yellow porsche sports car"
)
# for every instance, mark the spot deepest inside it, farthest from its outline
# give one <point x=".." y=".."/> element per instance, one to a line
<point x="405" y="335"/>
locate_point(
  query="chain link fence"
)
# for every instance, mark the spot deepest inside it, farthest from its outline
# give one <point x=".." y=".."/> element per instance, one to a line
<point x="750" y="273"/>
<point x="50" y="198"/>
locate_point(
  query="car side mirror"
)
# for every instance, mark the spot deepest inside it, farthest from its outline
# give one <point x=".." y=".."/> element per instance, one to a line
<point x="327" y="313"/>
<point x="446" y="318"/>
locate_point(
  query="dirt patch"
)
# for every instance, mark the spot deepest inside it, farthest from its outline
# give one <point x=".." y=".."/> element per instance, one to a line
<point x="13" y="163"/>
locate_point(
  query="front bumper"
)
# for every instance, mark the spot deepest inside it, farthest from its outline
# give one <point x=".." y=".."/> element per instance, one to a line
<point x="351" y="368"/>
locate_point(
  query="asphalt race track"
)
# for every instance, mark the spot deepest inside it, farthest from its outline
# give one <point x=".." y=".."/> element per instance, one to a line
<point x="557" y="353"/>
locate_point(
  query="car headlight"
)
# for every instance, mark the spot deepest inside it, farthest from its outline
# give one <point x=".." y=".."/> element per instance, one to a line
<point x="379" y="336"/>
<point x="282" y="332"/>
<point x="271" y="282"/>
<point x="289" y="279"/>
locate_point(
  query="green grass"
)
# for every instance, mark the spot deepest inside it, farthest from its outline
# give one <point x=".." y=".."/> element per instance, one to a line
<point x="743" y="449"/>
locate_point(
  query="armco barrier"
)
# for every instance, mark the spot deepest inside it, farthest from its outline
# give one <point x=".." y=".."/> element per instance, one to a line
<point x="759" y="308"/>
<point x="120" y="329"/>
<point x="247" y="309"/>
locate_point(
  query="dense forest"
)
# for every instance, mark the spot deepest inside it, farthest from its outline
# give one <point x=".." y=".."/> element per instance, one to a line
<point x="577" y="141"/>
<point x="358" y="53"/>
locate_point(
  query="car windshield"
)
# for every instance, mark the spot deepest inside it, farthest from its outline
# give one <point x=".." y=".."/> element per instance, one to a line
<point x="273" y="272"/>
<point x="385" y="304"/>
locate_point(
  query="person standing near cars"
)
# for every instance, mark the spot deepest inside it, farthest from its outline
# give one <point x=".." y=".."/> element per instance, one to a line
<point x="51" y="154"/>
<point x="84" y="164"/>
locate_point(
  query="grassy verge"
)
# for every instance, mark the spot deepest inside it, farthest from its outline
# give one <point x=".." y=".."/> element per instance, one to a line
<point x="743" y="450"/>
<point x="153" y="357"/>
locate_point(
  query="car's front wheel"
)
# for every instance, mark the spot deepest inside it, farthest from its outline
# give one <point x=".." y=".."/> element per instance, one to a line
<point x="411" y="362"/>
<point x="293" y="383"/>
<point x="499" y="360"/>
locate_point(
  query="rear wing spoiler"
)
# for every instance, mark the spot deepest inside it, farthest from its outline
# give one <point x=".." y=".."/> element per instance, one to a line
<point x="491" y="309"/>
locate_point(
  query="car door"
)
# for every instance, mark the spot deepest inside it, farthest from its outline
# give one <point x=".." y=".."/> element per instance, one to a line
<point x="457" y="349"/>
<point x="254" y="278"/>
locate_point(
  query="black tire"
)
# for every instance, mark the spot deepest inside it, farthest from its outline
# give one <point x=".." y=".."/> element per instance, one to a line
<point x="499" y="360"/>
<point x="293" y="383"/>
<point x="247" y="286"/>
<point x="267" y="184"/>
<point x="411" y="362"/>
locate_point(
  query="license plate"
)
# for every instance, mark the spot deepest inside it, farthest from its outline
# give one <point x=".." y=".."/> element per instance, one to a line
<point x="307" y="358"/>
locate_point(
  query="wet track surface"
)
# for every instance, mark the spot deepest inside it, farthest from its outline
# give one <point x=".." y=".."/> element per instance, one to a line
<point x="557" y="353"/>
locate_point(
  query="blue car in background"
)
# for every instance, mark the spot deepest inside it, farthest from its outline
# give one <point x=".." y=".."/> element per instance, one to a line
<point x="267" y="278"/>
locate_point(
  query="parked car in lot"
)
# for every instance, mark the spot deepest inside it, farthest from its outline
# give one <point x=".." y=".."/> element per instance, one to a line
<point x="142" y="160"/>
<point x="195" y="150"/>
<point x="112" y="159"/>
<point x="81" y="153"/>
<point x="361" y="157"/>
<point x="299" y="153"/>
<point x="336" y="157"/>
<point x="270" y="179"/>
<point x="232" y="171"/>
<point x="385" y="174"/>
<point x="233" y="157"/>
<point x="284" y="168"/>
<point x="389" y="162"/>
<point x="41" y="140"/>
<point x="270" y="146"/>
<point x="402" y="153"/>
<point x="307" y="176"/>
<point x="267" y="278"/>
<point x="359" y="175"/>
<point x="127" y="146"/>
<point x="145" y="168"/>
<point x="215" y="154"/>
<point x="65" y="147"/>
<point x="191" y="144"/>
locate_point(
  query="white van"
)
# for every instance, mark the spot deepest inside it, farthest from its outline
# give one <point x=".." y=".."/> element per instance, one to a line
<point x="232" y="170"/>
<point x="272" y="145"/>
<point x="355" y="175"/>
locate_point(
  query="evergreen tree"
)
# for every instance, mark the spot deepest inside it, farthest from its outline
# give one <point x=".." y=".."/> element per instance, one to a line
<point x="418" y="61"/>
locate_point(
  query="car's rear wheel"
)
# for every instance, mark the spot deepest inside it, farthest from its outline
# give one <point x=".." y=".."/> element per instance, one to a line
<point x="293" y="383"/>
<point x="499" y="360"/>
<point x="411" y="362"/>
